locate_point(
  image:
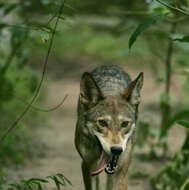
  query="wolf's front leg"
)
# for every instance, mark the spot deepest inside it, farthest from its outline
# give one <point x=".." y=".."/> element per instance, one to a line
<point x="90" y="182"/>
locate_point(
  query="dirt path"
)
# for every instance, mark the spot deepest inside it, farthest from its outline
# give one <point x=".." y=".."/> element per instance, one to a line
<point x="61" y="156"/>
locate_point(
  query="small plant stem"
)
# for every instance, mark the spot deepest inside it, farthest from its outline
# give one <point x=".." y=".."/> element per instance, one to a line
<point x="166" y="108"/>
<point x="186" y="142"/>
<point x="20" y="117"/>
<point x="169" y="59"/>
<point x="10" y="58"/>
<point x="173" y="8"/>
<point x="185" y="184"/>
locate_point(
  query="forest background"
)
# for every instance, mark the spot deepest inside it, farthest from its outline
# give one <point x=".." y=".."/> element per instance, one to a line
<point x="45" y="46"/>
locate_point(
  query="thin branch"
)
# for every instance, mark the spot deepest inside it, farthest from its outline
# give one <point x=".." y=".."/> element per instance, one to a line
<point x="29" y="27"/>
<point x="13" y="126"/>
<point x="185" y="184"/>
<point x="169" y="60"/>
<point x="11" y="57"/>
<point x="128" y="13"/>
<point x="70" y="7"/>
<point x="166" y="107"/>
<point x="173" y="8"/>
<point x="22" y="27"/>
<point x="42" y="109"/>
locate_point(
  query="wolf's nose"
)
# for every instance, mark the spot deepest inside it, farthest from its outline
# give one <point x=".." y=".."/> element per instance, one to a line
<point x="116" y="150"/>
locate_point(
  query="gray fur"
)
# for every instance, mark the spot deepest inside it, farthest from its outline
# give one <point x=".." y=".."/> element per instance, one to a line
<point x="111" y="79"/>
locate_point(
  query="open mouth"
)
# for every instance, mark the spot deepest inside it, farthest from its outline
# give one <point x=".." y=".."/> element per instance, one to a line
<point x="109" y="164"/>
<point x="112" y="165"/>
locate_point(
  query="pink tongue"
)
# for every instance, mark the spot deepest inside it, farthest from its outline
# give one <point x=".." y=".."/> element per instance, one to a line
<point x="102" y="164"/>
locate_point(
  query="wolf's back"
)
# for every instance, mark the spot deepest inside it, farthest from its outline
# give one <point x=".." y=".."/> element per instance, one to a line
<point x="111" y="79"/>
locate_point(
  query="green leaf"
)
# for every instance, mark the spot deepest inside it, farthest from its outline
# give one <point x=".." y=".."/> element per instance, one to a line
<point x="56" y="181"/>
<point x="144" y="26"/>
<point x="17" y="186"/>
<point x="27" y="183"/>
<point x="178" y="116"/>
<point x="29" y="186"/>
<point x="64" y="179"/>
<point x="6" y="87"/>
<point x="183" y="123"/>
<point x="2" y="5"/>
<point x="39" y="180"/>
<point x="183" y="39"/>
<point x="2" y="25"/>
<point x="60" y="17"/>
<point x="44" y="36"/>
<point x="10" y="8"/>
<point x="39" y="186"/>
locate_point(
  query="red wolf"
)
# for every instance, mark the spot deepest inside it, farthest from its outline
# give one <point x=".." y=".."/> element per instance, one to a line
<point x="107" y="115"/>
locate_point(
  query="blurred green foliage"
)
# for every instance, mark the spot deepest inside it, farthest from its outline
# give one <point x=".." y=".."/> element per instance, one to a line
<point x="35" y="183"/>
<point x="101" y="30"/>
<point x="89" y="43"/>
<point x="106" y="8"/>
<point x="175" y="175"/>
<point x="18" y="80"/>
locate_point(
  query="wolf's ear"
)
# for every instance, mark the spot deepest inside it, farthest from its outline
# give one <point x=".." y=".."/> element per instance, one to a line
<point x="90" y="93"/>
<point x="132" y="93"/>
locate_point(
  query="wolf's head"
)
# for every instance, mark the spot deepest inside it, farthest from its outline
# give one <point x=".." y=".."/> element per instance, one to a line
<point x="111" y="118"/>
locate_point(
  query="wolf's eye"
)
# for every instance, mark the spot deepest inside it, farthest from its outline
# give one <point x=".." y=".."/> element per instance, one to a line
<point x="124" y="123"/>
<point x="103" y="123"/>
